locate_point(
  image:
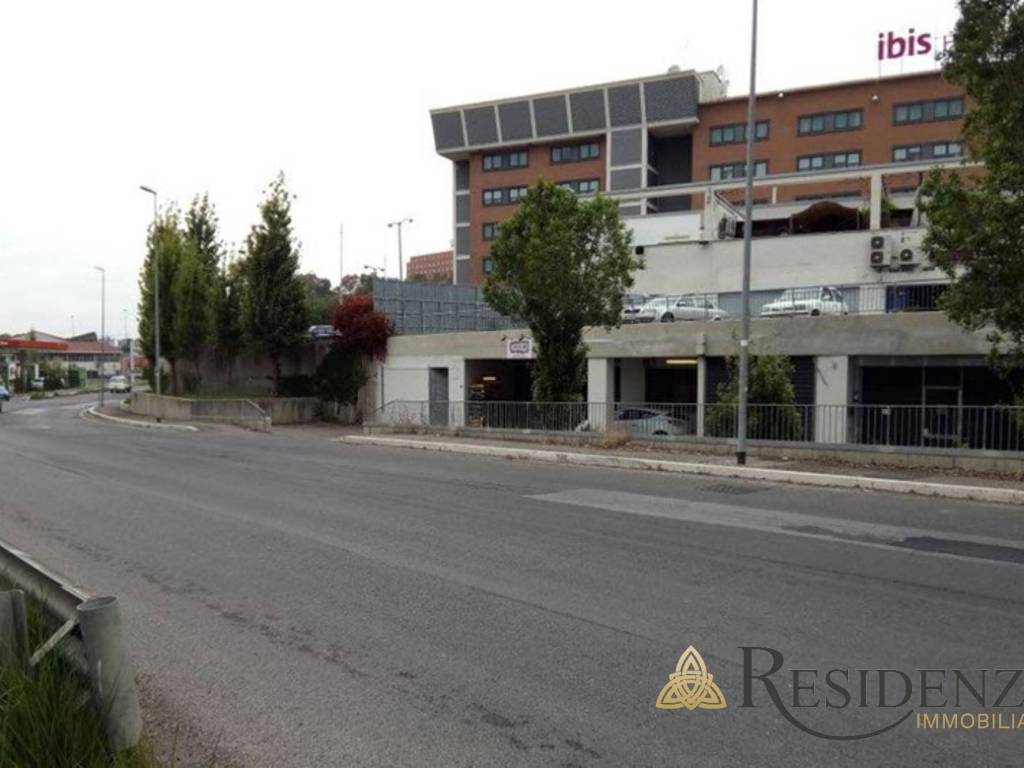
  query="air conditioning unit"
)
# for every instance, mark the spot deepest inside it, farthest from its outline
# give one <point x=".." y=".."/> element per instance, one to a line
<point x="880" y="254"/>
<point x="909" y="257"/>
<point x="726" y="228"/>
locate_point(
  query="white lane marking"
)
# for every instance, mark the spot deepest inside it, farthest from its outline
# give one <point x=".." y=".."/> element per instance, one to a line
<point x="28" y="412"/>
<point x="856" y="532"/>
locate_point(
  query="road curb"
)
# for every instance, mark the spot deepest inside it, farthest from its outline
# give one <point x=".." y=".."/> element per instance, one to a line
<point x="821" y="480"/>
<point x="93" y="413"/>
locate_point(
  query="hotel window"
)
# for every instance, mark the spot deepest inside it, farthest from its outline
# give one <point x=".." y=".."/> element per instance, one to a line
<point x="503" y="195"/>
<point x="830" y="160"/>
<point x="940" y="150"/>
<point x="736" y="170"/>
<point x="573" y="153"/>
<point x="488" y="265"/>
<point x="503" y="160"/>
<point x="490" y="230"/>
<point x="928" y="111"/>
<point x="737" y="133"/>
<point x="830" y="122"/>
<point x="582" y="186"/>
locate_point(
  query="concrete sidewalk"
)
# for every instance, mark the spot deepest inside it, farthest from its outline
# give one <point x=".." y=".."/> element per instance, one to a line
<point x="939" y="483"/>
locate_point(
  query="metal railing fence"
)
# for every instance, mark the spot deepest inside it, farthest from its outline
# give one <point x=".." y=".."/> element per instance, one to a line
<point x="994" y="428"/>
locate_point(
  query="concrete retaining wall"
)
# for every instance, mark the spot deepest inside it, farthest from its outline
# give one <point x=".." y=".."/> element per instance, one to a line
<point x="253" y="414"/>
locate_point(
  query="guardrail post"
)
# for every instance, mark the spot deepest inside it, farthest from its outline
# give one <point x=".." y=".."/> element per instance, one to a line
<point x="13" y="628"/>
<point x="110" y="674"/>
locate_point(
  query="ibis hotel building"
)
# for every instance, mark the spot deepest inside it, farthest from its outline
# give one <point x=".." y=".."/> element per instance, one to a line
<point x="839" y="280"/>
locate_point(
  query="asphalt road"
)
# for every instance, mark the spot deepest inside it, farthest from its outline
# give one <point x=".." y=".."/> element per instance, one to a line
<point x="305" y="603"/>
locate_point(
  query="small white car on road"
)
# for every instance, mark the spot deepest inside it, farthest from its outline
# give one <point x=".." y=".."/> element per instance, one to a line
<point x="668" y="309"/>
<point x="823" y="300"/>
<point x="118" y="384"/>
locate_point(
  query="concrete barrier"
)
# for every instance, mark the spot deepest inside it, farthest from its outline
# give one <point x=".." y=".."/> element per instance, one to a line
<point x="258" y="414"/>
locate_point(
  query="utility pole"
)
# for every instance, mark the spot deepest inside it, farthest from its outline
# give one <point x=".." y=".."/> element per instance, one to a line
<point x="748" y="226"/>
<point x="399" y="224"/>
<point x="156" y="288"/>
<point x="341" y="260"/>
<point x="103" y="329"/>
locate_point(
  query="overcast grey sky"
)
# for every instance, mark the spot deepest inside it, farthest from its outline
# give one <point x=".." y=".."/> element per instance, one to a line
<point x="191" y="97"/>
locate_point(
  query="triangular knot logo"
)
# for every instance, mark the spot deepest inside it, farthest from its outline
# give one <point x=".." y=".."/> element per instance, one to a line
<point x="691" y="685"/>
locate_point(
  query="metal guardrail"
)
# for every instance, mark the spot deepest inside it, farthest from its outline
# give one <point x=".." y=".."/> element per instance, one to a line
<point x="88" y="633"/>
<point x="959" y="428"/>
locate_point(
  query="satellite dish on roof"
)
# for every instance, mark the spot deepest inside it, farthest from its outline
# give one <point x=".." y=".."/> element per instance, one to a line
<point x="674" y="69"/>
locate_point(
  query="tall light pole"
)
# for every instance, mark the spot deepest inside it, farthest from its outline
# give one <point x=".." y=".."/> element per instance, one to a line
<point x="399" y="224"/>
<point x="156" y="289"/>
<point x="748" y="226"/>
<point x="103" y="327"/>
<point x="341" y="258"/>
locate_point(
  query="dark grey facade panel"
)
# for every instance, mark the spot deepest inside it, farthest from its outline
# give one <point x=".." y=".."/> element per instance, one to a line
<point x="672" y="99"/>
<point x="550" y="115"/>
<point x="624" y="105"/>
<point x="448" y="130"/>
<point x="462" y="271"/>
<point x="462" y="174"/>
<point x="587" y="111"/>
<point x="481" y="126"/>
<point x="461" y="209"/>
<point x="627" y="178"/>
<point x="629" y="210"/>
<point x="462" y="240"/>
<point x="627" y="147"/>
<point x="515" y="121"/>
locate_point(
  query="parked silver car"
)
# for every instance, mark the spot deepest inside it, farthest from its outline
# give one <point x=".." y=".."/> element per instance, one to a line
<point x="668" y="309"/>
<point x="632" y="303"/>
<point x="647" y="422"/>
<point x="822" y="300"/>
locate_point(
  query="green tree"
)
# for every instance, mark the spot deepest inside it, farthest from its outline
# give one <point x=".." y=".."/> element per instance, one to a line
<point x="320" y="297"/>
<point x="201" y="230"/>
<point x="561" y="264"/>
<point x="164" y="244"/>
<point x="227" y="335"/>
<point x="976" y="224"/>
<point x="274" y="311"/>
<point x="192" y="312"/>
<point x="772" y="413"/>
<point x="357" y="284"/>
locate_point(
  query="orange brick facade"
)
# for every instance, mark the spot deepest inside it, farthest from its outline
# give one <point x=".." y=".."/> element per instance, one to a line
<point x="430" y="266"/>
<point x="539" y="166"/>
<point x="875" y="138"/>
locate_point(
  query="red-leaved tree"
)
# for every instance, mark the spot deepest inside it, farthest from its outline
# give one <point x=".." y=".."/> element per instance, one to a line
<point x="361" y="328"/>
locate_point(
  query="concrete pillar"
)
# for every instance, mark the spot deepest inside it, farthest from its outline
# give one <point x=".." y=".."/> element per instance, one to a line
<point x="875" y="220"/>
<point x="702" y="392"/>
<point x="632" y="383"/>
<point x="457" y="393"/>
<point x="600" y="392"/>
<point x="831" y="396"/>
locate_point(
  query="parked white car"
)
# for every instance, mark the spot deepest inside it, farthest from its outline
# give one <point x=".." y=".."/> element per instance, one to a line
<point x="823" y="300"/>
<point x="118" y="384"/>
<point x="668" y="309"/>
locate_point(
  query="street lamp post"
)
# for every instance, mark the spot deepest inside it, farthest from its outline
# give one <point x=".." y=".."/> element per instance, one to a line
<point x="156" y="289"/>
<point x="398" y="224"/>
<point x="748" y="212"/>
<point x="103" y="328"/>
